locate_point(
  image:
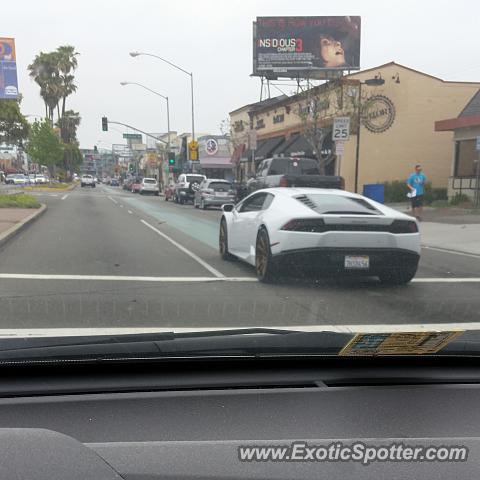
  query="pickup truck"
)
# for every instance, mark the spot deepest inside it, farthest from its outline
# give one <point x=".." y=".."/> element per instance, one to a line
<point x="292" y="172"/>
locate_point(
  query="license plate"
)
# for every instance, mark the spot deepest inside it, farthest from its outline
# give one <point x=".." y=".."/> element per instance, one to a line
<point x="357" y="262"/>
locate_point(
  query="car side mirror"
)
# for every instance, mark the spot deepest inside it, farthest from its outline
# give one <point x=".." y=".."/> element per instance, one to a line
<point x="228" y="207"/>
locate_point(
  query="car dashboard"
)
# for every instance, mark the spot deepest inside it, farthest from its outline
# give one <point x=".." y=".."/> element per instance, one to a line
<point x="165" y="421"/>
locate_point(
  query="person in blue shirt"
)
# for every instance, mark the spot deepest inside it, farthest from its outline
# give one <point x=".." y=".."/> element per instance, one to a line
<point x="416" y="183"/>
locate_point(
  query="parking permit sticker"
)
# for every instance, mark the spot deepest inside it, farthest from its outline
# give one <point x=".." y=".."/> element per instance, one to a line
<point x="404" y="343"/>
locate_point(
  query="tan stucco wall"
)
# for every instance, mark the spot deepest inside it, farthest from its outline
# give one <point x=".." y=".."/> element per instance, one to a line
<point x="419" y="101"/>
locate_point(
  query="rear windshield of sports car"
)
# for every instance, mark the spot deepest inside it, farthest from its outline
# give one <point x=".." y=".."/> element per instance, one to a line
<point x="338" y="204"/>
<point x="291" y="166"/>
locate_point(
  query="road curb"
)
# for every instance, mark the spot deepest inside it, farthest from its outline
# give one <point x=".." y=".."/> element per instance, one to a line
<point x="20" y="226"/>
<point x="450" y="250"/>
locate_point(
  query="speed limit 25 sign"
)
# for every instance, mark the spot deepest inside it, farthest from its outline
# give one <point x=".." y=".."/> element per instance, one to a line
<point x="341" y="129"/>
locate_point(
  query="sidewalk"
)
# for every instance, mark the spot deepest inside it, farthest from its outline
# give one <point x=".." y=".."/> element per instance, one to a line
<point x="448" y="228"/>
<point x="15" y="220"/>
<point x="12" y="216"/>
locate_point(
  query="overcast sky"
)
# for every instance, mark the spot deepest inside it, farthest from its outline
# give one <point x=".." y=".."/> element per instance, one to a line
<point x="213" y="38"/>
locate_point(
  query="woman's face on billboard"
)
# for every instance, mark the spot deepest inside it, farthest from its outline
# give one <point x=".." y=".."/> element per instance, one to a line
<point x="332" y="52"/>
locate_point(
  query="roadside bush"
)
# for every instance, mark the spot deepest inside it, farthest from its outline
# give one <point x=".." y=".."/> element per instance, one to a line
<point x="396" y="191"/>
<point x="460" y="199"/>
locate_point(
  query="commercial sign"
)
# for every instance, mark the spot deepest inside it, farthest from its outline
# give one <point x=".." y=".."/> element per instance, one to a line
<point x="8" y="69"/>
<point x="211" y="146"/>
<point x="292" y="46"/>
<point x="378" y="113"/>
<point x="341" y="129"/>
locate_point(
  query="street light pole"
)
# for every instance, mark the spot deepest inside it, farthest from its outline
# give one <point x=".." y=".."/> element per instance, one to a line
<point x="168" y="112"/>
<point x="136" y="54"/>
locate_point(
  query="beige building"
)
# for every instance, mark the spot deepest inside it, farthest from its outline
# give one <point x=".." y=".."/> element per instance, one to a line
<point x="465" y="165"/>
<point x="397" y="125"/>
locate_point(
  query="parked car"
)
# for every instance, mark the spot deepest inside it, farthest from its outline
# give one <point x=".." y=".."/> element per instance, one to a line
<point x="40" y="178"/>
<point x="114" y="182"/>
<point x="328" y="231"/>
<point x="136" y="185"/>
<point x="169" y="192"/>
<point x="186" y="186"/>
<point x="214" y="193"/>
<point x="87" y="181"/>
<point x="292" y="172"/>
<point x="149" y="185"/>
<point x="19" y="179"/>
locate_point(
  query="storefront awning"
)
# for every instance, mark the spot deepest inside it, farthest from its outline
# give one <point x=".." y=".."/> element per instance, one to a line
<point x="216" y="162"/>
<point x="267" y="146"/>
<point x="299" y="147"/>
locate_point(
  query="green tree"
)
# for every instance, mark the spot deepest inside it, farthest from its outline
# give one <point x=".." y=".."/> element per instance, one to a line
<point x="68" y="124"/>
<point x="44" y="146"/>
<point x="53" y="72"/>
<point x="14" y="127"/>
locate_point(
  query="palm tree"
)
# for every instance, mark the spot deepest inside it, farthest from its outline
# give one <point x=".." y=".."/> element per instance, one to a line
<point x="68" y="125"/>
<point x="67" y="62"/>
<point x="44" y="70"/>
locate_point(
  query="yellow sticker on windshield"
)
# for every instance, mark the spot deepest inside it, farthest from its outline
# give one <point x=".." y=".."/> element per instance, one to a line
<point x="400" y="343"/>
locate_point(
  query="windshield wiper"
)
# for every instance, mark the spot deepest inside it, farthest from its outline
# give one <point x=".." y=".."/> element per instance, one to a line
<point x="241" y="342"/>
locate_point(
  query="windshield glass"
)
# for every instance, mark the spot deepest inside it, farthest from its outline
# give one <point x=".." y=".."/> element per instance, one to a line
<point x="205" y="165"/>
<point x="220" y="186"/>
<point x="296" y="166"/>
<point x="194" y="178"/>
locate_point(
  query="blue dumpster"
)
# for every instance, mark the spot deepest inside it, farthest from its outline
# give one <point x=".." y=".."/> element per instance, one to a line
<point x="375" y="191"/>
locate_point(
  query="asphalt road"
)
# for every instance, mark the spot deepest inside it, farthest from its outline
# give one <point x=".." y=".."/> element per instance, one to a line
<point x="106" y="258"/>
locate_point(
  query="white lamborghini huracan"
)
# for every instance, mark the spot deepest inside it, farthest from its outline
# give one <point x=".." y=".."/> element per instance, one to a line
<point x="327" y="231"/>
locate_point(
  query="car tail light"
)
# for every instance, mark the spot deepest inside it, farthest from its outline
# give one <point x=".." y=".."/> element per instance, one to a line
<point x="305" y="225"/>
<point x="284" y="182"/>
<point x="403" y="226"/>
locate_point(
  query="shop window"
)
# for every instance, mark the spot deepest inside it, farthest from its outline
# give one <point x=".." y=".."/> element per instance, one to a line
<point x="465" y="156"/>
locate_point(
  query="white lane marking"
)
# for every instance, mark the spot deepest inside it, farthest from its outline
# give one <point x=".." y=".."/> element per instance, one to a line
<point x="123" y="278"/>
<point x="130" y="212"/>
<point x="453" y="252"/>
<point x="113" y="200"/>
<point x="65" y="196"/>
<point x="185" y="250"/>
<point x="447" y="280"/>
<point x="218" y="277"/>
<point x="384" y="328"/>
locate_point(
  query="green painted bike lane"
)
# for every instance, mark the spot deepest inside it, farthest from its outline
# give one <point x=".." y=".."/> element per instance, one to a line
<point x="201" y="229"/>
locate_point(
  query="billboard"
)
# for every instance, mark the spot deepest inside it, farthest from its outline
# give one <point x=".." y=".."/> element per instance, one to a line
<point x="305" y="46"/>
<point x="8" y="69"/>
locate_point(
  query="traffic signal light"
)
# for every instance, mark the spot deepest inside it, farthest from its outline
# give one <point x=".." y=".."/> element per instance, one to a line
<point x="95" y="149"/>
<point x="171" y="158"/>
<point x="130" y="167"/>
<point x="105" y="124"/>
